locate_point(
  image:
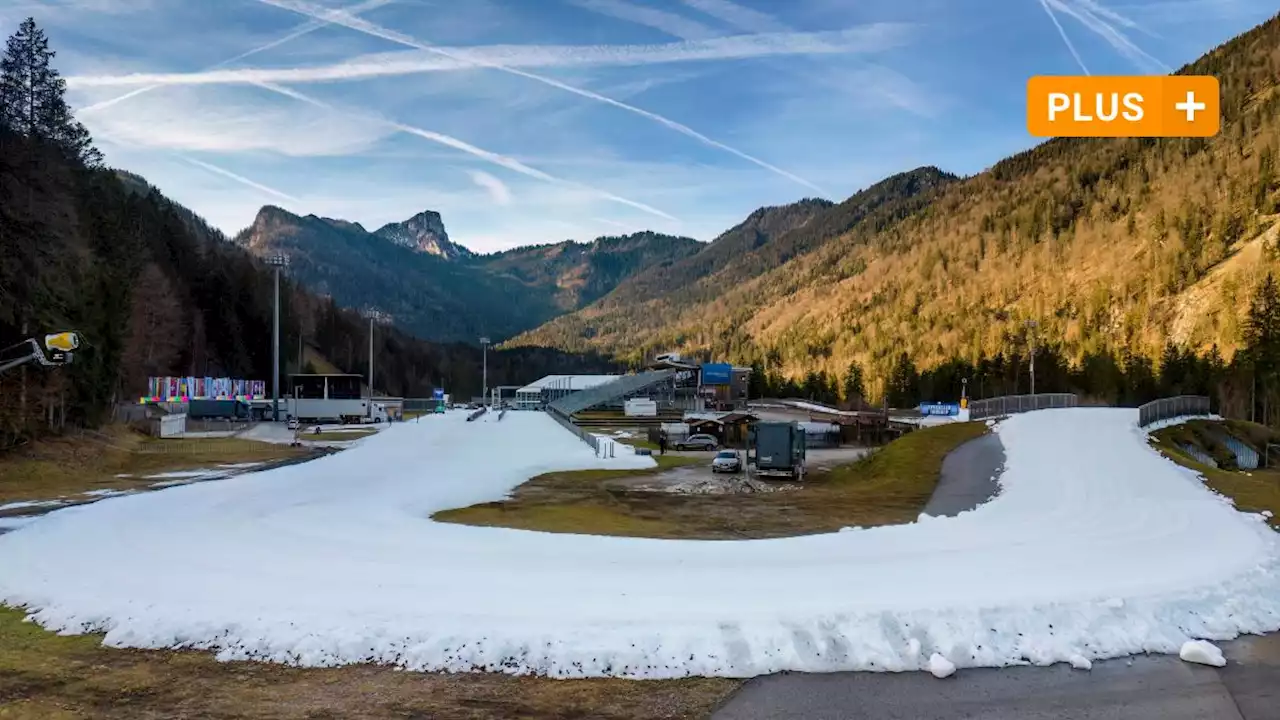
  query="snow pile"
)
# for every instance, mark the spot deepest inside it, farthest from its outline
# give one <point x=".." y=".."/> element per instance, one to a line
<point x="1096" y="547"/>
<point x="31" y="504"/>
<point x="1202" y="652"/>
<point x="940" y="666"/>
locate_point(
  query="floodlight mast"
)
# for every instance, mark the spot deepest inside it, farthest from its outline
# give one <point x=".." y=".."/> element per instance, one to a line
<point x="277" y="263"/>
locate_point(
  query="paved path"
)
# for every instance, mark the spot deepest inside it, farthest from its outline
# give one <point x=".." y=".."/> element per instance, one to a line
<point x="1154" y="687"/>
<point x="969" y="477"/>
<point x="1149" y="687"/>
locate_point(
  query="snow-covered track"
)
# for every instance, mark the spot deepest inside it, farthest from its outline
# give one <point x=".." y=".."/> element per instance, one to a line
<point x="1096" y="546"/>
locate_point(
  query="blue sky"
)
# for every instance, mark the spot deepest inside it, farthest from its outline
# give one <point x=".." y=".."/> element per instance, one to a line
<point x="530" y="121"/>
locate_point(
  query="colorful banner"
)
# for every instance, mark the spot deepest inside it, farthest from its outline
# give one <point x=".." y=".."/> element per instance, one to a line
<point x="183" y="389"/>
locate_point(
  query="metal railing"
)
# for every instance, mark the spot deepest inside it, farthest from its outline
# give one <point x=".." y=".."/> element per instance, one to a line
<point x="1172" y="407"/>
<point x="601" y="449"/>
<point x="1009" y="404"/>
<point x="613" y="390"/>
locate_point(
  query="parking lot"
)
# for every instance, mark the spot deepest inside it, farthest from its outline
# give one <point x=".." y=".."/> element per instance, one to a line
<point x="700" y="480"/>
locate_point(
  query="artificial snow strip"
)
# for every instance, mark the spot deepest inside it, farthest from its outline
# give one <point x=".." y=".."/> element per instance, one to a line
<point x="1095" y="547"/>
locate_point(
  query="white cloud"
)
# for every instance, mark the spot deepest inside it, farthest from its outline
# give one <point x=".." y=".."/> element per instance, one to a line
<point x="181" y="119"/>
<point x="497" y="189"/>
<point x="867" y="39"/>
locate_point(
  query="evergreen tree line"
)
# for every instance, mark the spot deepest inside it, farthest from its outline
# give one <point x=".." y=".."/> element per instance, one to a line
<point x="1246" y="387"/>
<point x="154" y="290"/>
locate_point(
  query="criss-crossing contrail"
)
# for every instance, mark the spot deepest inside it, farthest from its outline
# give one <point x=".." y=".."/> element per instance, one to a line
<point x="305" y="28"/>
<point x="1099" y="19"/>
<point x="338" y="17"/>
<point x="509" y="163"/>
<point x="1044" y="4"/>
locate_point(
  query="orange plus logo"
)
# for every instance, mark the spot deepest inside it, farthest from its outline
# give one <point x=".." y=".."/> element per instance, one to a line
<point x="1123" y="106"/>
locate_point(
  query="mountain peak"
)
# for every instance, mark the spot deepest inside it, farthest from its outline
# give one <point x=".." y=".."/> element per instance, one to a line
<point x="424" y="233"/>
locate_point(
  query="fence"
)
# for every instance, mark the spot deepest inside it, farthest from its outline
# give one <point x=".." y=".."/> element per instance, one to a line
<point x="601" y="447"/>
<point x="1172" y="407"/>
<point x="1009" y="404"/>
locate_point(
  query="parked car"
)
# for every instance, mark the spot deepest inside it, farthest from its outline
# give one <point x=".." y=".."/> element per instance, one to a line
<point x="726" y="461"/>
<point x="698" y="442"/>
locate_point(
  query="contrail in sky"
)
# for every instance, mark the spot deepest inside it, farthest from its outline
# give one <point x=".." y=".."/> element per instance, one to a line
<point x="341" y="18"/>
<point x="305" y="28"/>
<point x="1044" y="4"/>
<point x="495" y="158"/>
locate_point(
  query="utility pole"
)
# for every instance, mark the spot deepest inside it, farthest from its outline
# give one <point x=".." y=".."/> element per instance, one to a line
<point x="484" y="369"/>
<point x="1031" y="330"/>
<point x="371" y="317"/>
<point x="277" y="262"/>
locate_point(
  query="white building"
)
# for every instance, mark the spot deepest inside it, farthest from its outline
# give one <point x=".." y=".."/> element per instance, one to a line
<point x="553" y="387"/>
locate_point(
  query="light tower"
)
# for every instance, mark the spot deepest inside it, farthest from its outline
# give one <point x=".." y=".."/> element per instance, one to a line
<point x="1031" y="335"/>
<point x="484" y="369"/>
<point x="277" y="263"/>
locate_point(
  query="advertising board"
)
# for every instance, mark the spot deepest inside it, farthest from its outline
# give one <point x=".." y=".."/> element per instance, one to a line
<point x="939" y="408"/>
<point x="717" y="374"/>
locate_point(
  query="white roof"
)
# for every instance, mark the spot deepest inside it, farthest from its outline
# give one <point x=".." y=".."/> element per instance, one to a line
<point x="573" y="382"/>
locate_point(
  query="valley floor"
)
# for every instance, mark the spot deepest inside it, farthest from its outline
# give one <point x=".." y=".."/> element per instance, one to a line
<point x="145" y="541"/>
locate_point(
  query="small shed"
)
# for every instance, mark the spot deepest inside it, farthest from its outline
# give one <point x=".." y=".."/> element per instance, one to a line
<point x="729" y="428"/>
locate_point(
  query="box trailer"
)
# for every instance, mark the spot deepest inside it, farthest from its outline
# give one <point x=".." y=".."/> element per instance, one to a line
<point x="315" y="409"/>
<point x="776" y="449"/>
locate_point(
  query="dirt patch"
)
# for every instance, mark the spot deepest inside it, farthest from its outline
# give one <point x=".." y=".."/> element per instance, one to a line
<point x="119" y="459"/>
<point x="44" y="676"/>
<point x="1253" y="491"/>
<point x="889" y="486"/>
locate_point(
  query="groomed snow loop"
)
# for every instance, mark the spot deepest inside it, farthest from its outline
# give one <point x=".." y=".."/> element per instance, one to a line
<point x="1095" y="547"/>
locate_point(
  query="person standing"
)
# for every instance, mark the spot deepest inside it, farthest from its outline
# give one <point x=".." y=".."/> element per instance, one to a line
<point x="662" y="443"/>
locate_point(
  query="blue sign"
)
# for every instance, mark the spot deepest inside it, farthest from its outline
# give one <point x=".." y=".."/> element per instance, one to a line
<point x="438" y="394"/>
<point x="717" y="374"/>
<point x="939" y="408"/>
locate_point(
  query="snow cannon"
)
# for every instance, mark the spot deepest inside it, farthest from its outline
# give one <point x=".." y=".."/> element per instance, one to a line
<point x="62" y="342"/>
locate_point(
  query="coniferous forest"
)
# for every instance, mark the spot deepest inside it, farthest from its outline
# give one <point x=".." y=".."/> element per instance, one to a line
<point x="154" y="290"/>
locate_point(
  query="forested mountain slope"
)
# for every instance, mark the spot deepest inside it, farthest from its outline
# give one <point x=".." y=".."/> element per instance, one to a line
<point x="1108" y="245"/>
<point x="579" y="273"/>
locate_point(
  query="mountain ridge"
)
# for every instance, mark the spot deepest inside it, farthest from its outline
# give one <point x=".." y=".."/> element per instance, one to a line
<point x="440" y="290"/>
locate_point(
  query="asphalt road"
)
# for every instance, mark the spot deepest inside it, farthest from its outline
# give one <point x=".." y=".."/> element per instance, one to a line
<point x="1148" y="687"/>
<point x="1154" y="687"/>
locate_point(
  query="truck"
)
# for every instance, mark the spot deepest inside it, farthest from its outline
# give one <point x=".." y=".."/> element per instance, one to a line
<point x="776" y="449"/>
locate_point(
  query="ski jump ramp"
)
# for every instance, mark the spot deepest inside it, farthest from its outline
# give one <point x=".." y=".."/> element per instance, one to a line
<point x="1094" y="547"/>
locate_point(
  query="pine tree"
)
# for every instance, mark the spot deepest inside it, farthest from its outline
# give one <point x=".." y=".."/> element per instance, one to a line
<point x="904" y="383"/>
<point x="1262" y="339"/>
<point x="32" y="96"/>
<point x="854" y="387"/>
